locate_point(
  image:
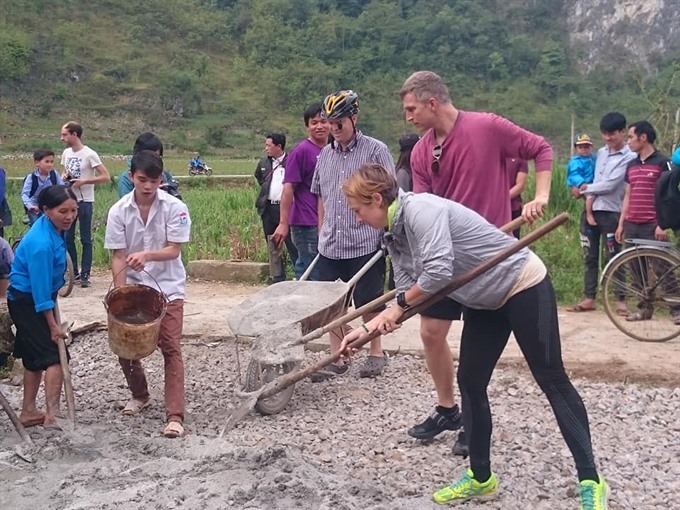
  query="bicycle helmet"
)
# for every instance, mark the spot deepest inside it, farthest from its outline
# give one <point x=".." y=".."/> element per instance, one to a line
<point x="338" y="105"/>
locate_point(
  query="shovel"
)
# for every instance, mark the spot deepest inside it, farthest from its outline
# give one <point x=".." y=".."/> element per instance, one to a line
<point x="21" y="430"/>
<point x="63" y="361"/>
<point x="283" y="382"/>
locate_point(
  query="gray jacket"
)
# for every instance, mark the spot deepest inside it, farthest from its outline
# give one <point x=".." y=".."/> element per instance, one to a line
<point x="609" y="185"/>
<point x="433" y="240"/>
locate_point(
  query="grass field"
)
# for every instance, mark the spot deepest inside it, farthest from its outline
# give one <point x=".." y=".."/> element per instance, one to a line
<point x="226" y="225"/>
<point x="18" y="165"/>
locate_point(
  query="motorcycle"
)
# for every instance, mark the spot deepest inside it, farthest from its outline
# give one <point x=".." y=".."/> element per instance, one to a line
<point x="172" y="187"/>
<point x="199" y="168"/>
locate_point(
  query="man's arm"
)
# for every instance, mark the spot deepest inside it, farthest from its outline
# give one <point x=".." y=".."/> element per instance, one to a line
<point x="118" y="266"/>
<point x="282" y="231"/>
<point x="138" y="260"/>
<point x="618" y="235"/>
<point x="259" y="176"/>
<point x="319" y="203"/>
<point x="520" y="182"/>
<point x="611" y="182"/>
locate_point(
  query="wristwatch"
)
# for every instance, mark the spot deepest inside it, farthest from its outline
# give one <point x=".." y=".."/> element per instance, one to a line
<point x="401" y="300"/>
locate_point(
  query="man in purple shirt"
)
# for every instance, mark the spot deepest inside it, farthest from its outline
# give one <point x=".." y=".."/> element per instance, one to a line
<point x="462" y="157"/>
<point x="299" y="215"/>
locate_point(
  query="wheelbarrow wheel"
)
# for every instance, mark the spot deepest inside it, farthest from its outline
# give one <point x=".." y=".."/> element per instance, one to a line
<point x="259" y="374"/>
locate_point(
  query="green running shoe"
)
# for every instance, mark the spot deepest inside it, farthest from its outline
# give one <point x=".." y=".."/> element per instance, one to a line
<point x="594" y="495"/>
<point x="467" y="488"/>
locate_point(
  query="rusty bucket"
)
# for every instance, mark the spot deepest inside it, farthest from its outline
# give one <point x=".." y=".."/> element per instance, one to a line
<point x="134" y="314"/>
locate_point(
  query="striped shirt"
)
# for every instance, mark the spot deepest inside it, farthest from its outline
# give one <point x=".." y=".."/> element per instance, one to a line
<point x="341" y="235"/>
<point x="642" y="177"/>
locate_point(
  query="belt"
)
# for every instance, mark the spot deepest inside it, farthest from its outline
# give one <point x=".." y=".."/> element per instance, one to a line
<point x="275" y="202"/>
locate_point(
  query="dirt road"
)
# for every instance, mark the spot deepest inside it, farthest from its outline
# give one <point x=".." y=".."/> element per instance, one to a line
<point x="592" y="346"/>
<point x="339" y="445"/>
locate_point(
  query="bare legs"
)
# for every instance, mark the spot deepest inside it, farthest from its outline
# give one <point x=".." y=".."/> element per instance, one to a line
<point x="438" y="358"/>
<point x="30" y="415"/>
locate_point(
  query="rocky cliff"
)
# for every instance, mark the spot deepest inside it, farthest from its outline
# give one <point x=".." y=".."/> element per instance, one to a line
<point x="624" y="33"/>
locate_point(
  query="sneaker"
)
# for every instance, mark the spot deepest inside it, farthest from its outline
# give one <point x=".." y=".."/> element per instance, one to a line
<point x="76" y="277"/>
<point x="461" y="447"/>
<point x="594" y="496"/>
<point x="437" y="423"/>
<point x="85" y="282"/>
<point x="467" y="488"/>
<point x="329" y="372"/>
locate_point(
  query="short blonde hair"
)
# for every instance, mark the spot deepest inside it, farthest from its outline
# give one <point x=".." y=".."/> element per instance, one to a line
<point x="371" y="178"/>
<point x="424" y="85"/>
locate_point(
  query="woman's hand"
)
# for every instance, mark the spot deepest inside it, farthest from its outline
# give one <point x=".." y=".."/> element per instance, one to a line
<point x="386" y="321"/>
<point x="56" y="332"/>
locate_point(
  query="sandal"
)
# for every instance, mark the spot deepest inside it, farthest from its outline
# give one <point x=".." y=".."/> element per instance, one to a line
<point x="578" y="308"/>
<point x="329" y="372"/>
<point x="373" y="366"/>
<point x="622" y="312"/>
<point x="639" y="316"/>
<point x="135" y="406"/>
<point x="173" y="429"/>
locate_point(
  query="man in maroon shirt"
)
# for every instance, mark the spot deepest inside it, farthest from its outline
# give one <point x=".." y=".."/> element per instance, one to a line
<point x="638" y="214"/>
<point x="462" y="157"/>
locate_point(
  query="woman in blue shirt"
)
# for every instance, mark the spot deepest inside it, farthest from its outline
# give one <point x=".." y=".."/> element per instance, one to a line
<point x="37" y="274"/>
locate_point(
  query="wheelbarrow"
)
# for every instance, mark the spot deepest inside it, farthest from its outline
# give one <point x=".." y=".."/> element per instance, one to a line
<point x="285" y="316"/>
<point x="282" y="318"/>
<point x="283" y="382"/>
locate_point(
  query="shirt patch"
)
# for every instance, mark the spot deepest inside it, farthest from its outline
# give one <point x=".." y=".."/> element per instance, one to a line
<point x="183" y="218"/>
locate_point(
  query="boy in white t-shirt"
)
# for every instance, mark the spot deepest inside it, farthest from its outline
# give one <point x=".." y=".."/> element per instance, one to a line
<point x="146" y="230"/>
<point x="83" y="169"/>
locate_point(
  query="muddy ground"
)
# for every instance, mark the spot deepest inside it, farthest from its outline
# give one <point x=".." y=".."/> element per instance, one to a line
<point x="338" y="445"/>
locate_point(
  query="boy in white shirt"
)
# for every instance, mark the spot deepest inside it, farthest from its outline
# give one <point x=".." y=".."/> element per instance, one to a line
<point x="146" y="230"/>
<point x="83" y="169"/>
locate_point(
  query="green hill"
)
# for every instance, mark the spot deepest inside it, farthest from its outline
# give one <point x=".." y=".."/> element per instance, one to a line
<point x="214" y="75"/>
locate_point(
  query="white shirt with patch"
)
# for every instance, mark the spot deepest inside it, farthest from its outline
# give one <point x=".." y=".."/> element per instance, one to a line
<point x="81" y="165"/>
<point x="168" y="221"/>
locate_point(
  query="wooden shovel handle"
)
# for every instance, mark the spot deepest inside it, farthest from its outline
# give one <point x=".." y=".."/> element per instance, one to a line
<point x="63" y="361"/>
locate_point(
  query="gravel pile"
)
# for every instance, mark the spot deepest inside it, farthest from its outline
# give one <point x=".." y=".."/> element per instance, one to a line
<point x="338" y="445"/>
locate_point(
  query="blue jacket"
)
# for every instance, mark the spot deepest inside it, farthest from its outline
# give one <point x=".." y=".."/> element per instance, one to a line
<point x="580" y="170"/>
<point x="676" y="157"/>
<point x="39" y="265"/>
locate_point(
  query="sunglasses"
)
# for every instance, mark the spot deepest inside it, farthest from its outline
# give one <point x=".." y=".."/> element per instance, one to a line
<point x="436" y="154"/>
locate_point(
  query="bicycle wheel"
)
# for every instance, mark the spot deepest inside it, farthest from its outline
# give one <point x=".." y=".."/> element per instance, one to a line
<point x="647" y="279"/>
<point x="69" y="278"/>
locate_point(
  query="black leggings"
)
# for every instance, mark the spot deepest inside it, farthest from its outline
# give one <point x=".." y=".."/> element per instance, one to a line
<point x="532" y="316"/>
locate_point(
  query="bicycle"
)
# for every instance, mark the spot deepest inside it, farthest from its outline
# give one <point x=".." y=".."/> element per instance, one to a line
<point x="646" y="276"/>
<point x="69" y="273"/>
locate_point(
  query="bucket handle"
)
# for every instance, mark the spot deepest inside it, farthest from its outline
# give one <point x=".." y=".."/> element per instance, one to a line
<point x="165" y="298"/>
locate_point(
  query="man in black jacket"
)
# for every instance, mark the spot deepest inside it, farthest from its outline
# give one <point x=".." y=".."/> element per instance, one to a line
<point x="269" y="174"/>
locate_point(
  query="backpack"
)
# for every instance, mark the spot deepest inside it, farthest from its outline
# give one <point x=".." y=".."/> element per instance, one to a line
<point x="35" y="183"/>
<point x="667" y="199"/>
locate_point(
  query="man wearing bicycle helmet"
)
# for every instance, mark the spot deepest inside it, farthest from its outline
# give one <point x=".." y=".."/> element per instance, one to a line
<point x="345" y="245"/>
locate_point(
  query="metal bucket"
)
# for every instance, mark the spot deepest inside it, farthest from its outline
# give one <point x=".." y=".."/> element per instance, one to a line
<point x="134" y="314"/>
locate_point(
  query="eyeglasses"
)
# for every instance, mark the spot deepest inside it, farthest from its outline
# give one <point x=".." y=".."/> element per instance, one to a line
<point x="436" y="154"/>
